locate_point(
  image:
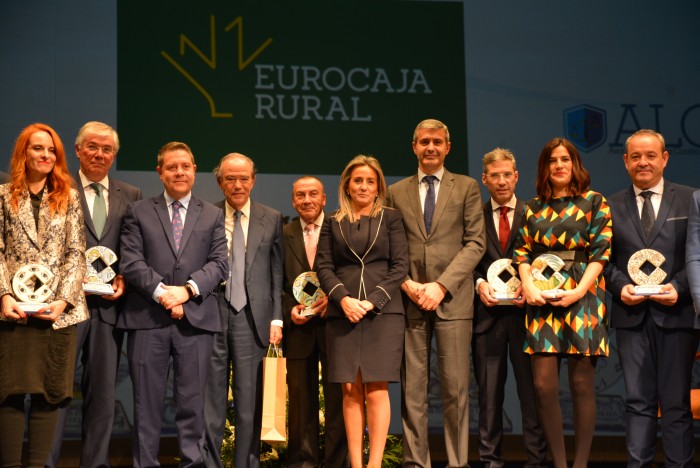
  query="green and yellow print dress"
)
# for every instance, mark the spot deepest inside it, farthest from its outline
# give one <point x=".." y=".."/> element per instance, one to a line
<point x="570" y="223"/>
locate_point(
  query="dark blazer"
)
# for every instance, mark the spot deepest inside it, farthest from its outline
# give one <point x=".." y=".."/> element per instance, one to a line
<point x="455" y="245"/>
<point x="121" y="195"/>
<point x="668" y="237"/>
<point x="300" y="341"/>
<point x="376" y="275"/>
<point x="484" y="316"/>
<point x="148" y="258"/>
<point x="264" y="257"/>
<point x="693" y="248"/>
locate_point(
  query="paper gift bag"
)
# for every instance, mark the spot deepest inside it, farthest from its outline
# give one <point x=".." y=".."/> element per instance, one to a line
<point x="274" y="409"/>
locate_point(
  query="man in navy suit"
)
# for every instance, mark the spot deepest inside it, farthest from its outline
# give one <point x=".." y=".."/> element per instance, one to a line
<point x="657" y="335"/>
<point x="99" y="342"/>
<point x="250" y="307"/>
<point x="499" y="330"/>
<point x="173" y="257"/>
<point x="305" y="340"/>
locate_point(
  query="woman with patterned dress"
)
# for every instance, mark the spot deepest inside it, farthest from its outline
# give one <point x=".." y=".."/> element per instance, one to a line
<point x="41" y="223"/>
<point x="571" y="221"/>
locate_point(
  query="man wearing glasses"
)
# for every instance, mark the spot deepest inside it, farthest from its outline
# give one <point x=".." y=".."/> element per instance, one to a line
<point x="104" y="201"/>
<point x="499" y="327"/>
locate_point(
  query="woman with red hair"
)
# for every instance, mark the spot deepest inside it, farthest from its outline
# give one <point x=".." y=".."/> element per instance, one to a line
<point x="41" y="223"/>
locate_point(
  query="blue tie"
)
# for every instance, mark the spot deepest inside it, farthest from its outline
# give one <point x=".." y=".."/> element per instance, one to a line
<point x="429" y="206"/>
<point x="177" y="224"/>
<point x="235" y="286"/>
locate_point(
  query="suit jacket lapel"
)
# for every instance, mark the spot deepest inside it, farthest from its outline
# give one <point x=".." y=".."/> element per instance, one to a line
<point x="296" y="244"/>
<point x="664" y="208"/>
<point x="375" y="222"/>
<point x="446" y="185"/>
<point x="160" y="206"/>
<point x="193" y="210"/>
<point x="26" y="218"/>
<point x="115" y="202"/>
<point x="633" y="211"/>
<point x="344" y="227"/>
<point x="491" y="233"/>
<point x="414" y="199"/>
<point x="517" y="221"/>
<point x="256" y="231"/>
<point x="84" y="206"/>
<point x="44" y="221"/>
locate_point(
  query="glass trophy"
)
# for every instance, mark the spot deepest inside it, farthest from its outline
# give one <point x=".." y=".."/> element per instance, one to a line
<point x="307" y="290"/>
<point x="504" y="280"/>
<point x="644" y="267"/>
<point x="31" y="286"/>
<point x="99" y="271"/>
<point x="546" y="277"/>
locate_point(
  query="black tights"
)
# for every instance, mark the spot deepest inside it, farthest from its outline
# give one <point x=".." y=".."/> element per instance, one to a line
<point x="545" y="370"/>
<point x="42" y="423"/>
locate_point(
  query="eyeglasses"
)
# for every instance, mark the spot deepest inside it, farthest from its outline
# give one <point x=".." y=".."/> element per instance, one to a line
<point x="232" y="179"/>
<point x="106" y="150"/>
<point x="496" y="176"/>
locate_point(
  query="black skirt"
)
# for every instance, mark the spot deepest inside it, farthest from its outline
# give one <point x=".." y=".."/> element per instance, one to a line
<point x="374" y="346"/>
<point x="36" y="359"/>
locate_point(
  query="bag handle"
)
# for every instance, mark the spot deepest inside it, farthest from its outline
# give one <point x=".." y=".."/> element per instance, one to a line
<point x="274" y="351"/>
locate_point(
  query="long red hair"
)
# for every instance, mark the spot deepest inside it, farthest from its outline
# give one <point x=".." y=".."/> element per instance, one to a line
<point x="59" y="181"/>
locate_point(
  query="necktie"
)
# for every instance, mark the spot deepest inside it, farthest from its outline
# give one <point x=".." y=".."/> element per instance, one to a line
<point x="648" y="216"/>
<point x="177" y="224"/>
<point x="235" y="286"/>
<point x="310" y="243"/>
<point x="99" y="209"/>
<point x="504" y="228"/>
<point x="429" y="205"/>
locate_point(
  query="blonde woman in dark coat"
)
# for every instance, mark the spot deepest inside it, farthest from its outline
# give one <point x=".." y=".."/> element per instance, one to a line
<point x="362" y="259"/>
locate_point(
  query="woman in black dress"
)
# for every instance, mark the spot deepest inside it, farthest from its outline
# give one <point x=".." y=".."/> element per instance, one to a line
<point x="362" y="260"/>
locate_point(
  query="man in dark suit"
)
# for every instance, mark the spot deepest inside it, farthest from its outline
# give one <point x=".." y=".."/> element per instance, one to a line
<point x="305" y="341"/>
<point x="657" y="335"/>
<point x="499" y="329"/>
<point x="445" y="231"/>
<point x="173" y="256"/>
<point x="104" y="201"/>
<point x="250" y="308"/>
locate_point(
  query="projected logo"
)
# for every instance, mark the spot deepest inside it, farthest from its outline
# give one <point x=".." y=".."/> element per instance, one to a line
<point x="585" y="126"/>
<point x="301" y="87"/>
<point x="207" y="59"/>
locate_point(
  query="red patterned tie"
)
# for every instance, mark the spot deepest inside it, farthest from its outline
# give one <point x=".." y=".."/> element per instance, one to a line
<point x="504" y="228"/>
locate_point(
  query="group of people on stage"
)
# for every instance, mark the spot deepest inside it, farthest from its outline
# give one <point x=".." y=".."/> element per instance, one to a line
<point x="211" y="287"/>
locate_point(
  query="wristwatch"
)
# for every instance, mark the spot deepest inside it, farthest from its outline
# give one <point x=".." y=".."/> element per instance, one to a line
<point x="190" y="290"/>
